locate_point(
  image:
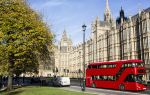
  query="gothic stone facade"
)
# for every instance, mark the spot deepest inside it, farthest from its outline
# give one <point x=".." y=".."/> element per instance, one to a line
<point x="125" y="38"/>
<point x="62" y="55"/>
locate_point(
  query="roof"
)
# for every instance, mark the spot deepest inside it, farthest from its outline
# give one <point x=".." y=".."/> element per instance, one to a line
<point x="134" y="18"/>
<point x="105" y="23"/>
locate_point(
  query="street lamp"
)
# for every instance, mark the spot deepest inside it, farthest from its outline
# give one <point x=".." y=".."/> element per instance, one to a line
<point x="84" y="28"/>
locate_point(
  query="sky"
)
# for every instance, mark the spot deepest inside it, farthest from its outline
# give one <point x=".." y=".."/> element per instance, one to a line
<point x="70" y="15"/>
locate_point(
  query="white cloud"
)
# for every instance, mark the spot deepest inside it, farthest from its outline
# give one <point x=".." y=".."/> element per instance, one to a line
<point x="47" y="3"/>
<point x="53" y="3"/>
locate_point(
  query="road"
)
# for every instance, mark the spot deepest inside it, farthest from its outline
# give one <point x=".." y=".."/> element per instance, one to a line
<point x="99" y="91"/>
<point x="75" y="86"/>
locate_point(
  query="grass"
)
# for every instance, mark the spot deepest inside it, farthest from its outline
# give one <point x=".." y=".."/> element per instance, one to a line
<point x="37" y="90"/>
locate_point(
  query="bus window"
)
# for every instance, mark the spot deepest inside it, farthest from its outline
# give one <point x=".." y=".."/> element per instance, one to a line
<point x="101" y="78"/>
<point x="114" y="65"/>
<point x="108" y="66"/>
<point x="105" y="66"/>
<point x="92" y="77"/>
<point x="111" y="66"/>
<point x="125" y="65"/>
<point x="114" y="78"/>
<point x="139" y="78"/>
<point x="98" y="77"/>
<point x="133" y="64"/>
<point x="140" y="65"/>
<point x="110" y="77"/>
<point x="99" y="67"/>
<point x="89" y="67"/>
<point x="129" y="65"/>
<point x="134" y="78"/>
<point x="105" y="77"/>
<point x="130" y="78"/>
<point x="95" y="67"/>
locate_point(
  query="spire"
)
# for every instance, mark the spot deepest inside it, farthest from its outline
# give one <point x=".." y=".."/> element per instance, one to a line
<point x="64" y="36"/>
<point x="107" y="7"/>
<point x="97" y="18"/>
<point x="122" y="12"/>
<point x="107" y="14"/>
<point x="122" y="17"/>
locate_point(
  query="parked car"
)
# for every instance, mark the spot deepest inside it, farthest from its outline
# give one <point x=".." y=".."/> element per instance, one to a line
<point x="61" y="81"/>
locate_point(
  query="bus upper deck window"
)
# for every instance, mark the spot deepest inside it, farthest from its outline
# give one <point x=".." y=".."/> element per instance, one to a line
<point x="133" y="64"/>
<point x="125" y="65"/>
<point x="141" y="65"/>
<point x="122" y="66"/>
<point x="105" y="66"/>
<point x="99" y="66"/>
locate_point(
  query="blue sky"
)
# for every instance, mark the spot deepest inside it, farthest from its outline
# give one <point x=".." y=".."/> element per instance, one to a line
<point x="72" y="14"/>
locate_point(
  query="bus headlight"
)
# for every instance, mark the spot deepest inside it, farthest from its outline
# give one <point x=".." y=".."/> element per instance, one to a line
<point x="138" y="87"/>
<point x="144" y="88"/>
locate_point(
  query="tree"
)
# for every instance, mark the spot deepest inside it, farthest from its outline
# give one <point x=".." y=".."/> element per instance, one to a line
<point x="23" y="36"/>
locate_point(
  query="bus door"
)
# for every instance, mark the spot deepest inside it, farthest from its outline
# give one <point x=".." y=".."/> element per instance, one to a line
<point x="88" y="81"/>
<point x="130" y="82"/>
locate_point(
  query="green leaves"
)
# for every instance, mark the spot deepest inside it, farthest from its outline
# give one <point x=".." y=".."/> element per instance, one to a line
<point x="23" y="34"/>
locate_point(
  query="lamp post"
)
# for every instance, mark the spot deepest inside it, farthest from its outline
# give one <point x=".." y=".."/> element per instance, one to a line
<point x="84" y="28"/>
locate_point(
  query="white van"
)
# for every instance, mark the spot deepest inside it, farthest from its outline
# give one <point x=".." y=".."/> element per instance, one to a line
<point x="61" y="81"/>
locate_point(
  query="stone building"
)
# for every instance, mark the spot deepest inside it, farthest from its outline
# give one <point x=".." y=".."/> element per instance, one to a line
<point x="120" y="39"/>
<point x="62" y="55"/>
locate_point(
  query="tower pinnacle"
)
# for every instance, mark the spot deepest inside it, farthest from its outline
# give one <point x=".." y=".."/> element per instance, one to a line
<point x="107" y="14"/>
<point x="64" y="36"/>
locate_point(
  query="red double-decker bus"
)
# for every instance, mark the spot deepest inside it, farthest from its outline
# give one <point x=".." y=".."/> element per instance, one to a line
<point x="122" y="75"/>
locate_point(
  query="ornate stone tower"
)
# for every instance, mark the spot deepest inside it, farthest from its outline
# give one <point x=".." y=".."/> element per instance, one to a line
<point x="64" y="49"/>
<point x="65" y="42"/>
<point x="107" y="14"/>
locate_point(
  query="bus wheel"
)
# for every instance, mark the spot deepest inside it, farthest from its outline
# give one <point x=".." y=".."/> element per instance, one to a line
<point x="93" y="85"/>
<point x="122" y="87"/>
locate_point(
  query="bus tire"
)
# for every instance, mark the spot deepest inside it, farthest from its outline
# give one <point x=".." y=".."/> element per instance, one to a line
<point x="121" y="87"/>
<point x="93" y="85"/>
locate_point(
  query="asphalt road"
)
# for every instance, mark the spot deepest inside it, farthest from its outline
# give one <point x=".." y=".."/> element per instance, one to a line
<point x="99" y="91"/>
<point x="75" y="86"/>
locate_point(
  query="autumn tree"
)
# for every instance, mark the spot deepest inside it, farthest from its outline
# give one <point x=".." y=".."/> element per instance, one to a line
<point x="23" y="36"/>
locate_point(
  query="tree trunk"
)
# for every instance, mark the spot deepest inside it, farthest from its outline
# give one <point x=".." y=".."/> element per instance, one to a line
<point x="10" y="78"/>
<point x="10" y="72"/>
<point x="1" y="82"/>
